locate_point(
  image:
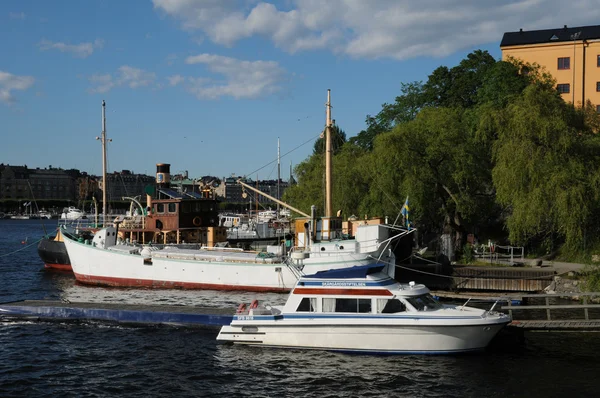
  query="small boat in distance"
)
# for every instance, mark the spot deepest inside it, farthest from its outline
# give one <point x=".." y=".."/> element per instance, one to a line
<point x="362" y="309"/>
<point x="72" y="213"/>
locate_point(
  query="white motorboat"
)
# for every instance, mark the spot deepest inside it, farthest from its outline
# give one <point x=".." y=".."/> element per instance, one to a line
<point x="107" y="260"/>
<point x="362" y="309"/>
<point x="72" y="213"/>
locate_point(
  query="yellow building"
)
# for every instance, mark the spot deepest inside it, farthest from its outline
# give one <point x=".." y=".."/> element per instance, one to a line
<point x="571" y="55"/>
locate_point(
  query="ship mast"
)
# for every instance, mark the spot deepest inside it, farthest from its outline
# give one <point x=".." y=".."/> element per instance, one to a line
<point x="103" y="141"/>
<point x="328" y="206"/>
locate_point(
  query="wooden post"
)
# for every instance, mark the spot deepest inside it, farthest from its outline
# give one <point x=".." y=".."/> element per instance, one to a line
<point x="548" y="309"/>
<point x="585" y="310"/>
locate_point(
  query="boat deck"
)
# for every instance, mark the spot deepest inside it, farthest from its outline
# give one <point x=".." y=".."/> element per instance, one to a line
<point x="207" y="317"/>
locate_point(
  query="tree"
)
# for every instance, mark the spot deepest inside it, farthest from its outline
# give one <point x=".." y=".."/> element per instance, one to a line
<point x="445" y="87"/>
<point x="546" y="169"/>
<point x="437" y="161"/>
<point x="338" y="138"/>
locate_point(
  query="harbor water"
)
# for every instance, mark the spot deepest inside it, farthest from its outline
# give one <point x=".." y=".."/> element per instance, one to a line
<point x="81" y="359"/>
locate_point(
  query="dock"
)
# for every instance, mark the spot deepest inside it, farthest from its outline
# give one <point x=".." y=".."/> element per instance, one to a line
<point x="130" y="314"/>
<point x="540" y="312"/>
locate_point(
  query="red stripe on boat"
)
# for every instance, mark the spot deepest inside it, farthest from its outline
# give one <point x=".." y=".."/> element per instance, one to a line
<point x="346" y="292"/>
<point x="129" y="282"/>
<point x="62" y="267"/>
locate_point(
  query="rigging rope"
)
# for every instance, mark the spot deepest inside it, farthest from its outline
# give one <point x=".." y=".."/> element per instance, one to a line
<point x="23" y="248"/>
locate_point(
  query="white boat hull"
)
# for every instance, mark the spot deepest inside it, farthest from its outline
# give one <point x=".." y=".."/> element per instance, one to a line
<point x="404" y="338"/>
<point x="92" y="265"/>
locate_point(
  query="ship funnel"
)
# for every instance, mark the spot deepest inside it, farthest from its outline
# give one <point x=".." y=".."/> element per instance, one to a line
<point x="163" y="175"/>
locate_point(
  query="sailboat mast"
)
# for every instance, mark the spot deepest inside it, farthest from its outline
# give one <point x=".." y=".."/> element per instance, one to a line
<point x="104" y="161"/>
<point x="278" y="175"/>
<point x="328" y="207"/>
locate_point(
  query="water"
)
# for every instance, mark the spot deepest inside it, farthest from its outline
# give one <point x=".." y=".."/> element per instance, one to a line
<point x="92" y="359"/>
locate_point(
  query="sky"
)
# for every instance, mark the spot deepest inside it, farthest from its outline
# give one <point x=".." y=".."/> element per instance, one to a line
<point x="210" y="86"/>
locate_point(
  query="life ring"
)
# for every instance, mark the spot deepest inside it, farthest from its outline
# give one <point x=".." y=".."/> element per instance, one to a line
<point x="254" y="304"/>
<point x="241" y="308"/>
<point x="197" y="221"/>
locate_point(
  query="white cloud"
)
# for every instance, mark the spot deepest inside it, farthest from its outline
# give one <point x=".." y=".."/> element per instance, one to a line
<point x="10" y="82"/>
<point x="242" y="79"/>
<point x="175" y="80"/>
<point x="81" y="50"/>
<point x="125" y="76"/>
<point x="376" y="28"/>
<point x="16" y="15"/>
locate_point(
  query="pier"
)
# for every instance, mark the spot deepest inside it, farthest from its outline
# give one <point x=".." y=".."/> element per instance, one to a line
<point x="132" y="314"/>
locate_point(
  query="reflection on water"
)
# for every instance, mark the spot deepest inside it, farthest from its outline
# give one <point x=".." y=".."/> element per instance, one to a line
<point x="200" y="298"/>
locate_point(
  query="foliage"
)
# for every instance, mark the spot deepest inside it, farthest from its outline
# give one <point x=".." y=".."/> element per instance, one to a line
<point x="592" y="278"/>
<point x="338" y="138"/>
<point x="468" y="253"/>
<point x="543" y="168"/>
<point x="486" y="146"/>
<point x="309" y="190"/>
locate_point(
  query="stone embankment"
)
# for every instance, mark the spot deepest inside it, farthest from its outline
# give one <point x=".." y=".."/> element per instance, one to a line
<point x="565" y="285"/>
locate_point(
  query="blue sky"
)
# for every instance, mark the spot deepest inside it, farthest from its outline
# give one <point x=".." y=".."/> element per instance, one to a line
<point x="210" y="85"/>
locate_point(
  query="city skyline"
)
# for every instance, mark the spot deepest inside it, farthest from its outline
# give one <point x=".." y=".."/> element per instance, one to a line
<point x="210" y="87"/>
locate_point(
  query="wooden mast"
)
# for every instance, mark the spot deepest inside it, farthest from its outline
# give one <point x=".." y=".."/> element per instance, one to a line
<point x="328" y="206"/>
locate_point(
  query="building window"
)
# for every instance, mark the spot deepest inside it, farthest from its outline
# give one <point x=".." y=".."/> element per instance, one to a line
<point x="598" y="108"/>
<point x="564" y="63"/>
<point x="598" y="61"/>
<point x="597" y="86"/>
<point x="563" y="88"/>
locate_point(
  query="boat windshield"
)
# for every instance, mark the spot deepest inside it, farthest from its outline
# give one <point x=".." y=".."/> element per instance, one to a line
<point x="424" y="302"/>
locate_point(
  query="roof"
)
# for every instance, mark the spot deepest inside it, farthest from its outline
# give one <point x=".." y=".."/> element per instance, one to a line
<point x="564" y="34"/>
<point x="359" y="271"/>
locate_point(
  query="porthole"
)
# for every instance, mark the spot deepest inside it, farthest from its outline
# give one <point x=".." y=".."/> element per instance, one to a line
<point x="322" y="249"/>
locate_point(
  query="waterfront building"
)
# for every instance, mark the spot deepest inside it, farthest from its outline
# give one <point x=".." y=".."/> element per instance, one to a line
<point x="125" y="183"/>
<point x="570" y="54"/>
<point x="20" y="183"/>
<point x="234" y="193"/>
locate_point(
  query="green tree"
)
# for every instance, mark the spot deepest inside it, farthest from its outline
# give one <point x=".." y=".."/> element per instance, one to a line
<point x="338" y="138"/>
<point x="436" y="160"/>
<point x="546" y="168"/>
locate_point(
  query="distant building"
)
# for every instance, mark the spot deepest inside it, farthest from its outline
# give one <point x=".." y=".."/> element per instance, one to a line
<point x="234" y="192"/>
<point x="570" y="55"/>
<point x="127" y="184"/>
<point x="20" y="182"/>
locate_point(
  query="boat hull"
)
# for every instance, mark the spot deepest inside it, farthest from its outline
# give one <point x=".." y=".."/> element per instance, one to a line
<point x="54" y="254"/>
<point x="382" y="339"/>
<point x="96" y="266"/>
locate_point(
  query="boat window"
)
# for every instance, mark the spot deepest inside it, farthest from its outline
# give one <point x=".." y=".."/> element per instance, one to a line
<point x="160" y="207"/>
<point x="172" y="207"/>
<point x="346" y="305"/>
<point x="307" y="305"/>
<point x="424" y="302"/>
<point x="390" y="306"/>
